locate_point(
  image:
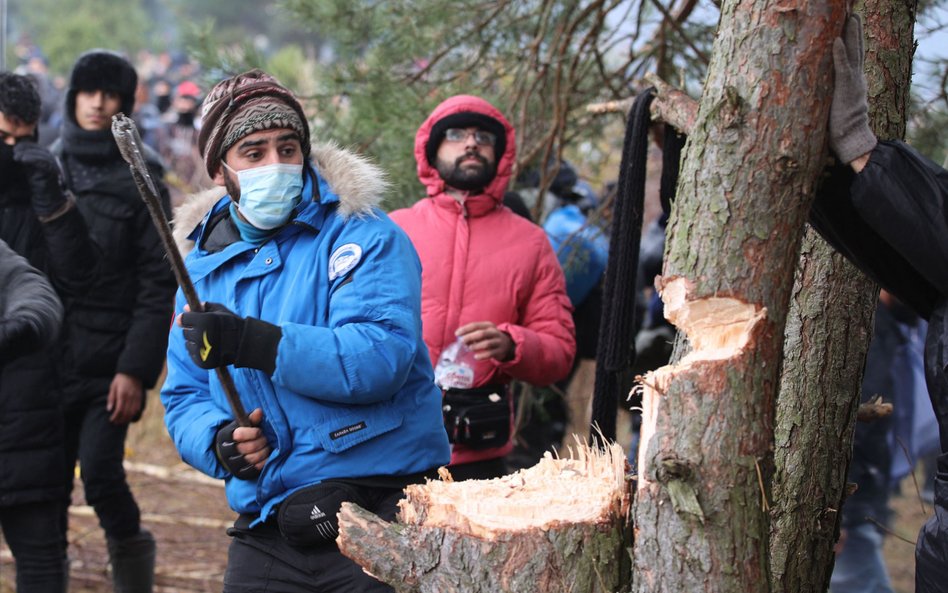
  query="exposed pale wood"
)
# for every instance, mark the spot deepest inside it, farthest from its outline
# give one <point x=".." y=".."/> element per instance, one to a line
<point x="558" y="526"/>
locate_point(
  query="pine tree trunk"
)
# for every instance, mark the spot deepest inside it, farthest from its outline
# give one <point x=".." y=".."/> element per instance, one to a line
<point x="828" y="331"/>
<point x="748" y="176"/>
<point x="827" y="336"/>
<point x="560" y="526"/>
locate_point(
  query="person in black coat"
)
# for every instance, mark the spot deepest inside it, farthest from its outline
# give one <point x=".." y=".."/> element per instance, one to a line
<point x="117" y="333"/>
<point x="40" y="229"/>
<point x="886" y="212"/>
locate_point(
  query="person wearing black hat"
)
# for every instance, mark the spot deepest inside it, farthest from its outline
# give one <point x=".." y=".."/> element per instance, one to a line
<point x="40" y="223"/>
<point x="116" y="334"/>
<point x="494" y="306"/>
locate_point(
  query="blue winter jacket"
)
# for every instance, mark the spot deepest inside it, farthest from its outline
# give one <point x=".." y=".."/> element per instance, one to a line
<point x="581" y="249"/>
<point x="353" y="393"/>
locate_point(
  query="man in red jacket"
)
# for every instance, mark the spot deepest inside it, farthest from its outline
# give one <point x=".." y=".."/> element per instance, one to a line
<point x="493" y="298"/>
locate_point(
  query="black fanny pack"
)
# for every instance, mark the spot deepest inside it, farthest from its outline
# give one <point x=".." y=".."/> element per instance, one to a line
<point x="308" y="516"/>
<point x="477" y="418"/>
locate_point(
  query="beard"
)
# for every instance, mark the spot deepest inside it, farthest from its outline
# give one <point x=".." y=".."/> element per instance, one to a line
<point x="233" y="190"/>
<point x="467" y="177"/>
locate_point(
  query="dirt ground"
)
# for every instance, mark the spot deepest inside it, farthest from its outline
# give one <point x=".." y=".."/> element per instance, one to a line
<point x="188" y="515"/>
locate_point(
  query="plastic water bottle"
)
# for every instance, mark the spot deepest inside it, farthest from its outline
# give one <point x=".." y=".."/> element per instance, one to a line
<point x="455" y="368"/>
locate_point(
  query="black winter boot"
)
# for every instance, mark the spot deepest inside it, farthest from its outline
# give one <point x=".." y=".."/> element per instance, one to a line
<point x="133" y="562"/>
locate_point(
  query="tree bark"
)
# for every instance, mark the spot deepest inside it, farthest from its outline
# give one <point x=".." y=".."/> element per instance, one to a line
<point x="828" y="331"/>
<point x="561" y="525"/>
<point x="749" y="172"/>
<point x="827" y="336"/>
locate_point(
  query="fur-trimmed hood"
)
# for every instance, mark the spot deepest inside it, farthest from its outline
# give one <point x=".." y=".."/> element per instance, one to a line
<point x="359" y="183"/>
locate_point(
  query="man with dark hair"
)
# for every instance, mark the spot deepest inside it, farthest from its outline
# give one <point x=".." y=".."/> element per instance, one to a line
<point x="494" y="305"/>
<point x="39" y="222"/>
<point x="116" y="334"/>
<point x="314" y="305"/>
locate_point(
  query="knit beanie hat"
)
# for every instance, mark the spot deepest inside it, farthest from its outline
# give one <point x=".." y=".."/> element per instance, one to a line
<point x="465" y="119"/>
<point x="102" y="70"/>
<point x="244" y="104"/>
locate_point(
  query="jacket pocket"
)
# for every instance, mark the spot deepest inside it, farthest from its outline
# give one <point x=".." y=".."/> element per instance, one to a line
<point x="350" y="428"/>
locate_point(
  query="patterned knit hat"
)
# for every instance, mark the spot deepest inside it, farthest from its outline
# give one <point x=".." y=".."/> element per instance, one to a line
<point x="244" y="104"/>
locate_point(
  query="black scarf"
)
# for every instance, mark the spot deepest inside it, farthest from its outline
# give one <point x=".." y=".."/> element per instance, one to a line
<point x="89" y="145"/>
<point x="90" y="157"/>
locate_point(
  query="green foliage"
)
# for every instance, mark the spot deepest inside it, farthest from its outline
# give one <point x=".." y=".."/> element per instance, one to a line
<point x="219" y="60"/>
<point x="540" y="62"/>
<point x="288" y="64"/>
<point x="66" y="28"/>
<point x="926" y="132"/>
<point x="258" y="22"/>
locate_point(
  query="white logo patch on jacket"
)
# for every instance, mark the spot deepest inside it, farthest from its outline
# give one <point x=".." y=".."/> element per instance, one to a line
<point x="343" y="260"/>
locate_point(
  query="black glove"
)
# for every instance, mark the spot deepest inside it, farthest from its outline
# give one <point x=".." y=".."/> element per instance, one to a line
<point x="230" y="457"/>
<point x="43" y="174"/>
<point x="217" y="337"/>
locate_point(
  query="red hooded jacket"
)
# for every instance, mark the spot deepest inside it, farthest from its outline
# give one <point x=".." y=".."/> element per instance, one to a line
<point x="482" y="262"/>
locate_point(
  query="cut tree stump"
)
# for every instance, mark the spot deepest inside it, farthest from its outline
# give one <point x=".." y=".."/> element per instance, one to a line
<point x="561" y="525"/>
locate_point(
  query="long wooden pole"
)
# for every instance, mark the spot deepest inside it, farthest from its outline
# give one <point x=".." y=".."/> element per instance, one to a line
<point x="130" y="145"/>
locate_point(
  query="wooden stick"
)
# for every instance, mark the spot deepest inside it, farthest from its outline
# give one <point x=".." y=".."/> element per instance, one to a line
<point x="130" y="146"/>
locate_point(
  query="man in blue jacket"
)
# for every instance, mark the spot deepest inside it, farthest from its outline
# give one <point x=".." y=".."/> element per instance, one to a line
<point x="313" y="302"/>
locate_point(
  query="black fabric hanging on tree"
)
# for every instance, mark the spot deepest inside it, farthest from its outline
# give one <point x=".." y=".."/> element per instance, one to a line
<point x="616" y="347"/>
<point x="672" y="145"/>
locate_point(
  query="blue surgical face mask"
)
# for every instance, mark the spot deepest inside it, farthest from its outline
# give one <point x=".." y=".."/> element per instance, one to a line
<point x="268" y="194"/>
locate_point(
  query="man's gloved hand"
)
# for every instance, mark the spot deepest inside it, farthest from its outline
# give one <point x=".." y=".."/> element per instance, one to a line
<point x="243" y="455"/>
<point x="217" y="337"/>
<point x="850" y="136"/>
<point x="45" y="178"/>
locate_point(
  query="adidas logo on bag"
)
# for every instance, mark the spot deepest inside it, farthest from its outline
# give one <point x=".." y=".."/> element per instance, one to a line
<point x="316" y="514"/>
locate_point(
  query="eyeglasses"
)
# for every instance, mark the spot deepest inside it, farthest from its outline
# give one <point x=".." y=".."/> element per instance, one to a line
<point x="481" y="137"/>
